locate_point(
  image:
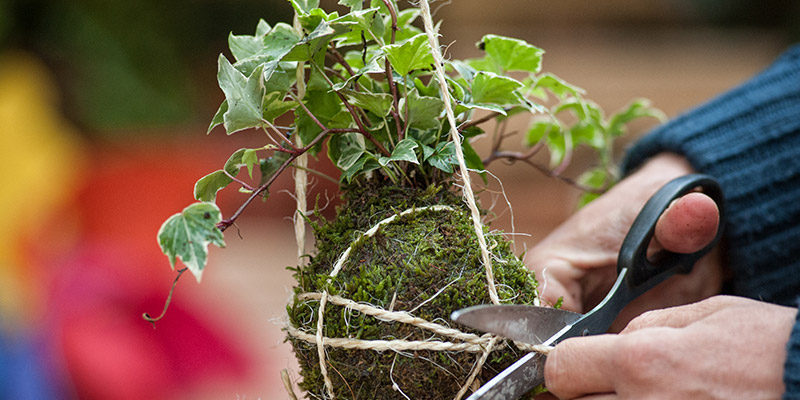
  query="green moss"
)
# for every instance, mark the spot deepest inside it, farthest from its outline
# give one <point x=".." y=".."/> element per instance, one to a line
<point x="408" y="261"/>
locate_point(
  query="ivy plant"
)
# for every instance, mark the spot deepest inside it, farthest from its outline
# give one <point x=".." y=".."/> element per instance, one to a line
<point x="358" y="87"/>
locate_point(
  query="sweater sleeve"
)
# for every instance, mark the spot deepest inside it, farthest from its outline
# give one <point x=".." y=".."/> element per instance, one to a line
<point x="749" y="139"/>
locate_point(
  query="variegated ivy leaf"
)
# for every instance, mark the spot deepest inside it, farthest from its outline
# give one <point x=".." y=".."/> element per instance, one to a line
<point x="377" y="103"/>
<point x="243" y="95"/>
<point x="186" y="235"/>
<point x="304" y="6"/>
<point x="413" y="53"/>
<point x="423" y="112"/>
<point x="636" y="109"/>
<point x="404" y="151"/>
<point x="207" y="187"/>
<point x="558" y="86"/>
<point x="244" y="46"/>
<point x="512" y="54"/>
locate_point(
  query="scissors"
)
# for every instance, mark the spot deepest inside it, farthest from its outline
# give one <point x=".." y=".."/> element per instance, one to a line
<point x="636" y="274"/>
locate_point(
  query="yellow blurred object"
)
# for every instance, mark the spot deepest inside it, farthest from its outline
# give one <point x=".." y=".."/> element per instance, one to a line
<point x="41" y="161"/>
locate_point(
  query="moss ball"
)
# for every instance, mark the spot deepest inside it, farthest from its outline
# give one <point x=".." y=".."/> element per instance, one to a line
<point x="426" y="262"/>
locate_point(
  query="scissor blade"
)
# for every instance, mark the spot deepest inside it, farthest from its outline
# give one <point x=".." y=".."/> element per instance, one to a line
<point x="527" y="324"/>
<point x="514" y="381"/>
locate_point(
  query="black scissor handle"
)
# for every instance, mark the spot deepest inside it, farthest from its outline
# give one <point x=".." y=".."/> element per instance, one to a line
<point x="644" y="273"/>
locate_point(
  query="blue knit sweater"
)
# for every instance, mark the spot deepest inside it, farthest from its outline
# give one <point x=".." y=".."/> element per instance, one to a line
<point x="749" y="139"/>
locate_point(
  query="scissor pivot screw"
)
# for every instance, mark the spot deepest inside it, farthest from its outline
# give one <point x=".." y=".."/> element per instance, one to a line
<point x="585" y="332"/>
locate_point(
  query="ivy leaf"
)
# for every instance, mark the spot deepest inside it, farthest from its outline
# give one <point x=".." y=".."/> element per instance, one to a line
<point x="364" y="164"/>
<point x="443" y="157"/>
<point x="496" y="90"/>
<point x="355" y="5"/>
<point x="422" y="111"/>
<point x="314" y="17"/>
<point x="311" y="47"/>
<point x="486" y="64"/>
<point x="274" y="108"/>
<point x="270" y="165"/>
<point x="404" y="151"/>
<point x="244" y="46"/>
<point x="207" y="187"/>
<point x="410" y="54"/>
<point x="464" y="69"/>
<point x="559" y="143"/>
<point x="244" y="96"/>
<point x="583" y="109"/>
<point x="325" y="106"/>
<point x="187" y="235"/>
<point x="250" y="160"/>
<point x="272" y="48"/>
<point x="219" y="116"/>
<point x="367" y="22"/>
<point x="377" y="103"/>
<point x="372" y="67"/>
<point x="304" y="6"/>
<point x="405" y="18"/>
<point x="363" y="19"/>
<point x="456" y="90"/>
<point x="234" y="162"/>
<point x="637" y="109"/>
<point x="512" y="54"/>
<point x="539" y="130"/>
<point x="431" y="89"/>
<point x="588" y="133"/>
<point x="558" y="86"/>
<point x="473" y="160"/>
<point x="344" y="150"/>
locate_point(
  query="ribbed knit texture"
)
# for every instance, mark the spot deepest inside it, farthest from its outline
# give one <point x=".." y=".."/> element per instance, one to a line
<point x="749" y="139"/>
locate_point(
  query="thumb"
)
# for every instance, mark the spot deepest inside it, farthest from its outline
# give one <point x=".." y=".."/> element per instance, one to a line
<point x="688" y="224"/>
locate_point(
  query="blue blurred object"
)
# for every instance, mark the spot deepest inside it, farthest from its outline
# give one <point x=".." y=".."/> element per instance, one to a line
<point x="24" y="371"/>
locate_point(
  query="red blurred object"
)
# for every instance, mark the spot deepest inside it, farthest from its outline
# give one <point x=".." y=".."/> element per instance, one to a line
<point x="111" y="352"/>
<point x="115" y="271"/>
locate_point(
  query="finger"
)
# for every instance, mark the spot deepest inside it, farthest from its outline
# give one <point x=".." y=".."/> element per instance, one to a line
<point x="581" y="366"/>
<point x="689" y="224"/>
<point x="561" y="281"/>
<point x="679" y="317"/>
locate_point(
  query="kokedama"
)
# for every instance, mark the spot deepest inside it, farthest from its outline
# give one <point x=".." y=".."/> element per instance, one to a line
<point x="370" y="90"/>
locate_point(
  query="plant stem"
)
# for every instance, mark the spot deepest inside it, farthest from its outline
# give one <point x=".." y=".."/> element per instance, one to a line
<point x="466" y="125"/>
<point x="514" y="156"/>
<point x="361" y="127"/>
<point x="152" y="320"/>
<point x="393" y="14"/>
<point x="339" y="58"/>
<point x="389" y="75"/>
<point x="226" y="223"/>
<point x="239" y="181"/>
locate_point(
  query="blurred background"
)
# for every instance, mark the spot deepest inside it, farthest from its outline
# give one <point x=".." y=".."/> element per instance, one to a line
<point x="103" y="111"/>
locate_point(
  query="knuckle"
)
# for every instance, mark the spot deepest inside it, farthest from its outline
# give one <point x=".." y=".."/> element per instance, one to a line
<point x="553" y="372"/>
<point x="557" y="374"/>
<point x="646" y="319"/>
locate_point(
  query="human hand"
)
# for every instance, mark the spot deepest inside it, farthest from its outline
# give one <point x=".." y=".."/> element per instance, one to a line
<point x="577" y="261"/>
<point x="720" y="348"/>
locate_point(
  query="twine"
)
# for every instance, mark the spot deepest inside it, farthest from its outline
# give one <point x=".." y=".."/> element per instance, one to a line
<point x="301" y="185"/>
<point x="467" y="189"/>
